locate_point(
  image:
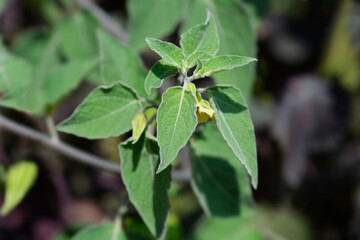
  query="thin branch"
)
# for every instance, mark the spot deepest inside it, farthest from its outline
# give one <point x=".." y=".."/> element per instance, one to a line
<point x="59" y="146"/>
<point x="73" y="152"/>
<point x="106" y="21"/>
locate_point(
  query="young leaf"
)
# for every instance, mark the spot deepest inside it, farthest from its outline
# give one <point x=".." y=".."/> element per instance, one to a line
<point x="14" y="73"/>
<point x="107" y="111"/>
<point x="219" y="180"/>
<point x="157" y="74"/>
<point x="147" y="190"/>
<point x="119" y="63"/>
<point x="65" y="78"/>
<point x="176" y="121"/>
<point x="138" y="126"/>
<point x="152" y="18"/>
<point x="237" y="36"/>
<point x="19" y="179"/>
<point x="199" y="40"/>
<point x="107" y="232"/>
<point x="170" y="53"/>
<point x="235" y="125"/>
<point x="221" y="63"/>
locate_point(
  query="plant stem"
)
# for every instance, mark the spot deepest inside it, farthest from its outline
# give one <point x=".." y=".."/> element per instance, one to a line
<point x="51" y="128"/>
<point x="72" y="152"/>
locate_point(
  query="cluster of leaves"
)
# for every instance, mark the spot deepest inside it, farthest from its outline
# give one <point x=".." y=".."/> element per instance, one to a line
<point x="36" y="80"/>
<point x="146" y="160"/>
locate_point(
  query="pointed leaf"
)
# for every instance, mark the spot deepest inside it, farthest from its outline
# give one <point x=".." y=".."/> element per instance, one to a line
<point x="221" y="63"/>
<point x="107" y="232"/>
<point x="176" y="121"/>
<point x="19" y="179"/>
<point x="170" y="53"/>
<point x="152" y="18"/>
<point x="107" y="111"/>
<point x="199" y="40"/>
<point x="157" y="74"/>
<point x="219" y="180"/>
<point x="235" y="125"/>
<point x="147" y="190"/>
<point x="237" y="36"/>
<point x="65" y="78"/>
<point x="119" y="63"/>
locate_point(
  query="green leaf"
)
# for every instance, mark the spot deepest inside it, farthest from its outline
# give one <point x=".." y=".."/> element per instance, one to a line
<point x="19" y="179"/>
<point x="42" y="54"/>
<point x="138" y="126"/>
<point x="237" y="37"/>
<point x="228" y="229"/>
<point x="43" y="57"/>
<point x="219" y="180"/>
<point x="35" y="96"/>
<point x="107" y="111"/>
<point x="14" y="73"/>
<point x="176" y="121"/>
<point x="157" y="74"/>
<point x="169" y="53"/>
<point x="82" y="44"/>
<point x="199" y="40"/>
<point x="30" y="99"/>
<point x="119" y="63"/>
<point x="38" y="39"/>
<point x="65" y="78"/>
<point x="147" y="190"/>
<point x="221" y="63"/>
<point x="152" y="18"/>
<point x="235" y="125"/>
<point x="106" y="232"/>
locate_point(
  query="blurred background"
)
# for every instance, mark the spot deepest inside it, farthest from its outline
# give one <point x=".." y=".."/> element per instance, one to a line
<point x="304" y="102"/>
